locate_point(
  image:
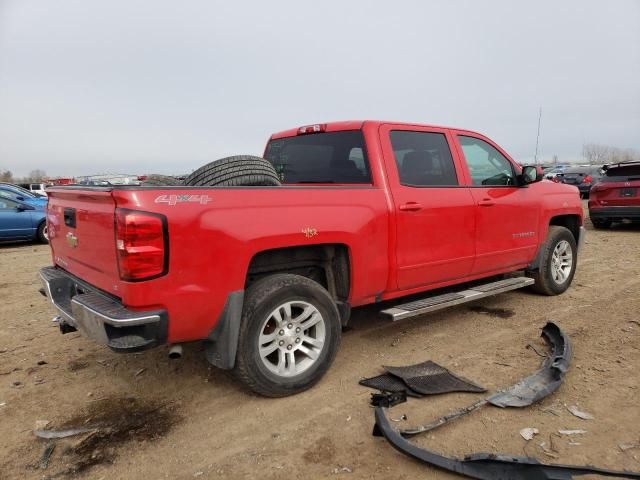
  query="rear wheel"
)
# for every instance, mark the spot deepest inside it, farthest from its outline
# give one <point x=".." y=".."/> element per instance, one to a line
<point x="601" y="223"/>
<point x="43" y="233"/>
<point x="289" y="335"/>
<point x="558" y="262"/>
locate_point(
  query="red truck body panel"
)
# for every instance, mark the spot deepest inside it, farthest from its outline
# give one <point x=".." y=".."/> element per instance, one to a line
<point x="462" y="233"/>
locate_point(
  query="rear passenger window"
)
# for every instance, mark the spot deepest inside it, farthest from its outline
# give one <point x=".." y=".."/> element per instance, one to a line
<point x="423" y="159"/>
<point x="331" y="157"/>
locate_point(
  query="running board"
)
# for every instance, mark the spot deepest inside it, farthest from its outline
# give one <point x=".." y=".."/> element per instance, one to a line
<point x="431" y="304"/>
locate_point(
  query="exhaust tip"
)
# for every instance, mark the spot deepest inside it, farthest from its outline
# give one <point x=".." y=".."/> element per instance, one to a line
<point x="175" y="352"/>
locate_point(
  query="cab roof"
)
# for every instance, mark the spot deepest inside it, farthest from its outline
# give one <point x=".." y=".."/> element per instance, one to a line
<point x="356" y="125"/>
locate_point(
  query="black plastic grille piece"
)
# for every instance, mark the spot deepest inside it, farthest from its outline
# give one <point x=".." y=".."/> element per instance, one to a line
<point x="388" y="383"/>
<point x="429" y="378"/>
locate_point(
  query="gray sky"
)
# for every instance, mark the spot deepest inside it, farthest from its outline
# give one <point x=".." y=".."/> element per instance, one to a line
<point x="157" y="86"/>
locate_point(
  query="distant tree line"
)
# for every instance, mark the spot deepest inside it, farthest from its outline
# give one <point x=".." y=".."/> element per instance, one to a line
<point x="35" y="176"/>
<point x="597" y="154"/>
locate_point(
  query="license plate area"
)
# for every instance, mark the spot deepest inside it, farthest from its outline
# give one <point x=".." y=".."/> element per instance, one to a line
<point x="628" y="192"/>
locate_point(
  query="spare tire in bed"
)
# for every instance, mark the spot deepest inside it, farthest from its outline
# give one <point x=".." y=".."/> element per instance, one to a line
<point x="162" y="181"/>
<point x="236" y="171"/>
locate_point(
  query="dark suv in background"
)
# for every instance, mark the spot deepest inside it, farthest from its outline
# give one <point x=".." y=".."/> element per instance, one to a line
<point x="581" y="177"/>
<point x="616" y="196"/>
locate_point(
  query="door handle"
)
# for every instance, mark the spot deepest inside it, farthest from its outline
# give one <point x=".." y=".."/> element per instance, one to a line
<point x="410" y="207"/>
<point x="486" y="202"/>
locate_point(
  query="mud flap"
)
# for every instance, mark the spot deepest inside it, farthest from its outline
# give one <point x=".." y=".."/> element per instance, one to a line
<point x="222" y="343"/>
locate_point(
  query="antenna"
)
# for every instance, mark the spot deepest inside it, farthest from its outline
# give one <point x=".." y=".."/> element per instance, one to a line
<point x="535" y="158"/>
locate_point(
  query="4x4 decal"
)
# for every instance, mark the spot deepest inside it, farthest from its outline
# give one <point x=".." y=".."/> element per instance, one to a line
<point x="175" y="199"/>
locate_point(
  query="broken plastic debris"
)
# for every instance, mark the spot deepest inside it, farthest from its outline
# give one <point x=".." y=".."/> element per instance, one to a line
<point x="583" y="415"/>
<point x="628" y="446"/>
<point x="572" y="432"/>
<point x="48" y="434"/>
<point x="528" y="433"/>
<point x="43" y="463"/>
<point x="341" y="470"/>
<point x="42" y="424"/>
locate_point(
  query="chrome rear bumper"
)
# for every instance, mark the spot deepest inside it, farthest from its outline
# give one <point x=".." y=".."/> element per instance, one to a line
<point x="100" y="317"/>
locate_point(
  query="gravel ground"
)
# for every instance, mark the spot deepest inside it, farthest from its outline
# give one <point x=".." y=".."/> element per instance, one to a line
<point x="162" y="418"/>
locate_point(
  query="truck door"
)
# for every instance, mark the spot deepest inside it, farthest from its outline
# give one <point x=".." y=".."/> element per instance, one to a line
<point x="506" y="214"/>
<point x="434" y="212"/>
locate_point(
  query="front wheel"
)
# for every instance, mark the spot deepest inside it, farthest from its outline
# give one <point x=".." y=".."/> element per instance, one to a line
<point x="558" y="263"/>
<point x="289" y="335"/>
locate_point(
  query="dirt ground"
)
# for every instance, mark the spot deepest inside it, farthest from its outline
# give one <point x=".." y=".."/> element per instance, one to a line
<point x="181" y="419"/>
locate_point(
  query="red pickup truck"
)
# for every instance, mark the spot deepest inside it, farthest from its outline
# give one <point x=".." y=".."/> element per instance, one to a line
<point x="366" y="211"/>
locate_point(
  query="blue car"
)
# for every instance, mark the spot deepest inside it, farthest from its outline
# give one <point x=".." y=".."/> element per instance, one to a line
<point x="20" y="194"/>
<point x="21" y="221"/>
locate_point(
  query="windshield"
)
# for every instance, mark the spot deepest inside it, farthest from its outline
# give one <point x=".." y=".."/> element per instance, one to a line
<point x="334" y="157"/>
<point x="623" y="173"/>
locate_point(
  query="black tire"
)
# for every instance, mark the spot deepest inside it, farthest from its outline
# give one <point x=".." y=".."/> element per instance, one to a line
<point x="545" y="283"/>
<point x="162" y="181"/>
<point x="261" y="300"/>
<point x="42" y="234"/>
<point x="236" y="171"/>
<point x="601" y="223"/>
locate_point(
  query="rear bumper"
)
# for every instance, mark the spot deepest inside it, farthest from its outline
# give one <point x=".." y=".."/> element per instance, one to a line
<point x="101" y="317"/>
<point x="631" y="212"/>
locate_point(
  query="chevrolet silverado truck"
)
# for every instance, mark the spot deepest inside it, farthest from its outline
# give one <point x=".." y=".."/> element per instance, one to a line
<point x="359" y="212"/>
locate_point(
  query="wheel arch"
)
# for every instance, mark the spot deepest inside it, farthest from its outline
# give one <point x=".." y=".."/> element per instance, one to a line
<point x="328" y="264"/>
<point x="571" y="222"/>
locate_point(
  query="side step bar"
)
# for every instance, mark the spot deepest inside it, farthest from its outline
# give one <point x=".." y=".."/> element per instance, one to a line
<point x="431" y="304"/>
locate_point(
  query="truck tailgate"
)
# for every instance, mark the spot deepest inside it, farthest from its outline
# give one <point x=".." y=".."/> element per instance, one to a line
<point x="82" y="235"/>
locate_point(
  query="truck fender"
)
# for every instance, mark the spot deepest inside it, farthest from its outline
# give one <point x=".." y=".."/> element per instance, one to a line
<point x="221" y="344"/>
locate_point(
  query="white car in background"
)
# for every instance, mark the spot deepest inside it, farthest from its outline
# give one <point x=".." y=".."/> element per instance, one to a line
<point x="37" y="188"/>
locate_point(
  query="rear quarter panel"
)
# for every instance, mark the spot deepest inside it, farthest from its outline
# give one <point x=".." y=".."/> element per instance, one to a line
<point x="213" y="239"/>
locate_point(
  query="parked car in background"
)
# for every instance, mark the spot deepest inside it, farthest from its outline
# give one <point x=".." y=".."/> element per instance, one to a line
<point x="14" y="192"/>
<point x="582" y="177"/>
<point x="37" y="188"/>
<point x="550" y="172"/>
<point x="22" y="221"/>
<point x="616" y="196"/>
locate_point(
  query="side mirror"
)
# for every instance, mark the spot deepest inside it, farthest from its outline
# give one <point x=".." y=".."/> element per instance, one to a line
<point x="531" y="174"/>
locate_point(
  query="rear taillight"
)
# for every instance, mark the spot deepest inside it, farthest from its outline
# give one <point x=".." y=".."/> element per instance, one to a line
<point x="555" y="179"/>
<point x="141" y="244"/>
<point x="587" y="179"/>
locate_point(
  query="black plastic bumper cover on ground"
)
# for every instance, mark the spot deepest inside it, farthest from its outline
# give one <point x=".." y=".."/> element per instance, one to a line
<point x="487" y="465"/>
<point x="497" y="466"/>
